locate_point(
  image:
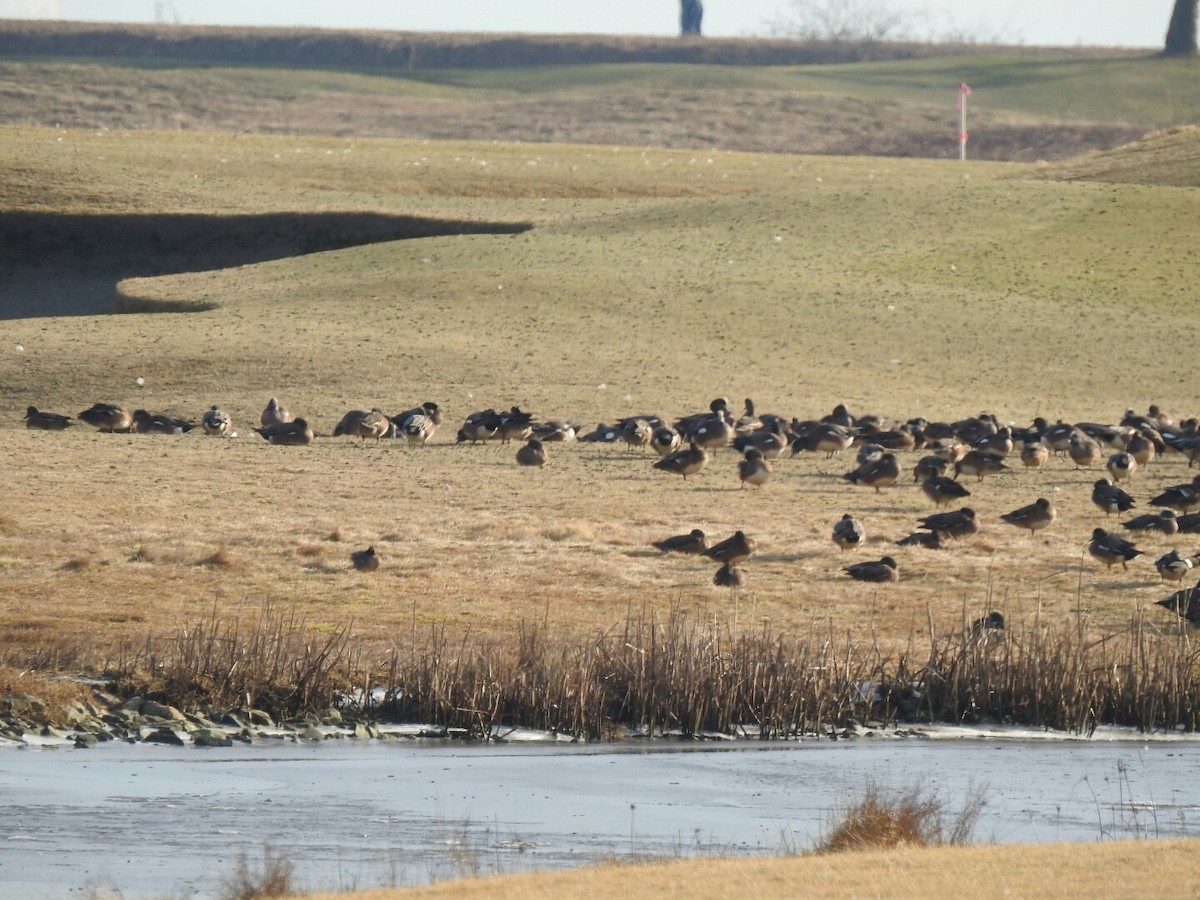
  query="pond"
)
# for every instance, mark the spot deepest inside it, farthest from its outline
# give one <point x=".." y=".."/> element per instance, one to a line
<point x="151" y="821"/>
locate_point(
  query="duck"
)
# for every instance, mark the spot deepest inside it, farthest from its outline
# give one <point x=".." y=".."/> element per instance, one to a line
<point x="879" y="473"/>
<point x="1083" y="450"/>
<point x="217" y="423"/>
<point x="823" y="437"/>
<point x="748" y="421"/>
<point x="295" y="433"/>
<point x="107" y="417"/>
<point x="941" y="489"/>
<point x="483" y="425"/>
<point x="46" y="421"/>
<point x="1034" y="454"/>
<point x="417" y="425"/>
<point x="602" y="434"/>
<point x="364" y="423"/>
<point x="881" y="570"/>
<point x="365" y="560"/>
<point x="929" y="465"/>
<point x="274" y="414"/>
<point x="769" y="440"/>
<point x="713" y="433"/>
<point x="665" y="440"/>
<point x="638" y="432"/>
<point x="515" y="425"/>
<point x="158" y="423"/>
<point x="694" y="542"/>
<point x="1189" y="524"/>
<point x="848" y="532"/>
<point x="1111" y="498"/>
<point x="718" y="408"/>
<point x="1111" y="549"/>
<point x="684" y="462"/>
<point x="1121" y="465"/>
<point x="998" y="444"/>
<point x="1173" y="567"/>
<point x="960" y="523"/>
<point x="1179" y="497"/>
<point x="930" y="540"/>
<point x="729" y="576"/>
<point x="1165" y="521"/>
<point x="1037" y="515"/>
<point x="1186" y="603"/>
<point x="533" y="454"/>
<point x="734" y="549"/>
<point x="555" y="431"/>
<point x="992" y="622"/>
<point x="978" y="463"/>
<point x="754" y="469"/>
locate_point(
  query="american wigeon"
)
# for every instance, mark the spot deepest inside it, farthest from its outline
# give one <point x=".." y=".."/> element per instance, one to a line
<point x="216" y="422"/>
<point x="1034" y="454"/>
<point x="747" y="421"/>
<point x="694" y="542"/>
<point x="533" y="454"/>
<point x="1083" y="450"/>
<point x="1121" y="465"/>
<point x="1111" y="498"/>
<point x="848" y="532"/>
<point x="881" y="570"/>
<point x="364" y="423"/>
<point x="941" y="489"/>
<point x="930" y="540"/>
<point x="365" y="560"/>
<point x="878" y="474"/>
<point x="713" y="434"/>
<point x="46" y="421"/>
<point x="274" y="414"/>
<point x="1165" y="521"/>
<point x="418" y="425"/>
<point x="555" y="431"/>
<point x="515" y="425"/>
<point x="665" y="440"/>
<point x="637" y="432"/>
<point x="602" y="434"/>
<point x="978" y="463"/>
<point x="992" y="622"/>
<point x="295" y="433"/>
<point x="929" y="465"/>
<point x="1111" y="549"/>
<point x="480" y="426"/>
<point x="1173" y="567"/>
<point x="822" y="437"/>
<point x="108" y="417"/>
<point x="733" y="550"/>
<point x="684" y="462"/>
<point x="1179" y="497"/>
<point x="158" y="423"/>
<point x="1185" y="603"/>
<point x="754" y="469"/>
<point x="730" y="576"/>
<point x="959" y="523"/>
<point x="1143" y="448"/>
<point x="1036" y="516"/>
<point x="770" y="440"/>
<point x="998" y="444"/>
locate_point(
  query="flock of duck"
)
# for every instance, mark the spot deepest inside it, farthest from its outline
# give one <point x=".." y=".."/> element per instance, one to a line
<point x="974" y="447"/>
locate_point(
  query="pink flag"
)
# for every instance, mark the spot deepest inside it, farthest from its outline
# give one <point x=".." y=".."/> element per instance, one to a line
<point x="964" y="90"/>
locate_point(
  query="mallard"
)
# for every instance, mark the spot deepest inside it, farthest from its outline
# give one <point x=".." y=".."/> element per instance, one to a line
<point x="754" y="469"/>
<point x="694" y="542"/>
<point x="108" y="417"/>
<point x="158" y="423"/>
<point x="1035" y="516"/>
<point x="275" y="414"/>
<point x="1179" y="497"/>
<point x="960" y="523"/>
<point x="733" y="550"/>
<point x="878" y="571"/>
<point x="1185" y="603"/>
<point x="295" y="433"/>
<point x="941" y="489"/>
<point x="729" y="576"/>
<point x="848" y="532"/>
<point x="1165" y="521"/>
<point x="1111" y="549"/>
<point x="364" y="423"/>
<point x="417" y="425"/>
<point x="684" y="462"/>
<point x="533" y="454"/>
<point x="365" y="560"/>
<point x="1121" y="465"/>
<point x="46" y="421"/>
<point x="879" y="473"/>
<point x="215" y="422"/>
<point x="1034" y="454"/>
<point x="1173" y="567"/>
<point x="978" y="463"/>
<point x="1111" y="498"/>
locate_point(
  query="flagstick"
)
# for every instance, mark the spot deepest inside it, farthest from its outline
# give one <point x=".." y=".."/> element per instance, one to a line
<point x="962" y="126"/>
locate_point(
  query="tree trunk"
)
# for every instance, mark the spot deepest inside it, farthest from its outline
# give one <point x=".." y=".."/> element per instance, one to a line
<point x="1181" y="33"/>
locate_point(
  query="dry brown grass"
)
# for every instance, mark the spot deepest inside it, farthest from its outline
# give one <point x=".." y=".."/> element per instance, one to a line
<point x="1118" y="869"/>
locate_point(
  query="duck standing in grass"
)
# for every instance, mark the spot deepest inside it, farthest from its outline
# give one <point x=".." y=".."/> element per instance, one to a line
<point x="1111" y="549"/>
<point x="754" y="468"/>
<point x="729" y="576"/>
<point x="684" y="462"/>
<point x="1036" y="516"/>
<point x="941" y="489"/>
<point x="1186" y="603"/>
<point x="879" y="571"/>
<point x="1173" y="567"/>
<point x="848" y="532"/>
<point x="957" y="524"/>
<point x="1110" y="498"/>
<point x="274" y="414"/>
<point x="733" y="550"/>
<point x="877" y="473"/>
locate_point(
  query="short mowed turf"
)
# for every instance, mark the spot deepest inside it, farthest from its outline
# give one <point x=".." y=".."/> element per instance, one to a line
<point x="647" y="282"/>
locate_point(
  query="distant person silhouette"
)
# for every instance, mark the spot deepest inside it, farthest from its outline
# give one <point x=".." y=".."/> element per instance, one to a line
<point x="690" y="14"/>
